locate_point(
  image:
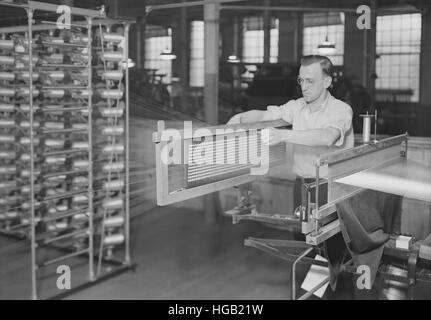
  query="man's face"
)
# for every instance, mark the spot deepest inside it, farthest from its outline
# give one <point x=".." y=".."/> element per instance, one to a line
<point x="313" y="81"/>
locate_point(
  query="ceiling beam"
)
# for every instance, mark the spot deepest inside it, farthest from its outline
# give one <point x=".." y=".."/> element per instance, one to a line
<point x="389" y="10"/>
<point x="186" y="4"/>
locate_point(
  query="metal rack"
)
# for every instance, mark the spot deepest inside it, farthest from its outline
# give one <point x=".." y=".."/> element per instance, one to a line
<point x="64" y="121"/>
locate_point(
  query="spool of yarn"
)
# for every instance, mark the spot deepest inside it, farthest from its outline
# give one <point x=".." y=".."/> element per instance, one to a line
<point x="113" y="130"/>
<point x="26" y="124"/>
<point x="7" y="76"/>
<point x="7" y="138"/>
<point x="6" y="92"/>
<point x="54" y="93"/>
<point x="25" y="173"/>
<point x="113" y="203"/>
<point x="113" y="37"/>
<point x="79" y="164"/>
<point x="56" y="75"/>
<point x="26" y="108"/>
<point x="81" y="145"/>
<point x="6" y="44"/>
<point x="26" y="189"/>
<point x="25" y="92"/>
<point x="56" y="179"/>
<point x="26" y="59"/>
<point x="7" y="154"/>
<point x="115" y="166"/>
<point x="114" y="222"/>
<point x="26" y="140"/>
<point x="112" y="112"/>
<point x="55" y="160"/>
<point x="61" y="225"/>
<point x="114" y="239"/>
<point x="7" y="60"/>
<point x="81" y="217"/>
<point x="80" y="126"/>
<point x="111" y="93"/>
<point x="113" y="75"/>
<point x="81" y="94"/>
<point x="113" y="56"/>
<point x="25" y="157"/>
<point x="7" y="184"/>
<point x="25" y="75"/>
<point x="114" y="185"/>
<point x="7" y="169"/>
<point x="54" y="143"/>
<point x="55" y="58"/>
<point x="113" y="149"/>
<point x="6" y="107"/>
<point x="12" y="214"/>
<point x="80" y="181"/>
<point x="54" y="125"/>
<point x="6" y="123"/>
<point x="80" y="198"/>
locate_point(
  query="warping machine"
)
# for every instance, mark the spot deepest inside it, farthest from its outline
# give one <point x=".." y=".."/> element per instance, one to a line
<point x="373" y="171"/>
<point x="64" y="114"/>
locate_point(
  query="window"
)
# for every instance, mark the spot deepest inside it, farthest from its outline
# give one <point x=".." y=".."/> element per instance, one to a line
<point x="398" y="42"/>
<point x="154" y="45"/>
<point x="197" y="71"/>
<point x="317" y="27"/>
<point x="273" y="51"/>
<point x="253" y="38"/>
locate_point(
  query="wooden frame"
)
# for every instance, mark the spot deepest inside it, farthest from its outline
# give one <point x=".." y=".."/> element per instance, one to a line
<point x="166" y="197"/>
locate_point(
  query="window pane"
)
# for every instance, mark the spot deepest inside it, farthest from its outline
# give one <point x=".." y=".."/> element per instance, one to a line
<point x="315" y="35"/>
<point x="197" y="70"/>
<point x="153" y="48"/>
<point x="398" y="45"/>
<point x="253" y="38"/>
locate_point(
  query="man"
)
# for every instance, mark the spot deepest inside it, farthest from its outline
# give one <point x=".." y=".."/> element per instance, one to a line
<point x="321" y="123"/>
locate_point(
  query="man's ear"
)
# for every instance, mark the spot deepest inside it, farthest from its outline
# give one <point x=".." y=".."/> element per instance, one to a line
<point x="327" y="82"/>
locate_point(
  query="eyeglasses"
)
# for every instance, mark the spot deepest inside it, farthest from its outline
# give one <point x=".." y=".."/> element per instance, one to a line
<point x="307" y="81"/>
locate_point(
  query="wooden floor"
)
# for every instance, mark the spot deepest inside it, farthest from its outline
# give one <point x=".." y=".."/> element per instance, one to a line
<point x="178" y="256"/>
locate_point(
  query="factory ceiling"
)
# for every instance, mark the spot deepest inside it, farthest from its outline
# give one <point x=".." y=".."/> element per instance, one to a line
<point x="169" y="17"/>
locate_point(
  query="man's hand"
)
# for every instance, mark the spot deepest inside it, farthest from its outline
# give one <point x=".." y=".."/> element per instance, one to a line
<point x="236" y="119"/>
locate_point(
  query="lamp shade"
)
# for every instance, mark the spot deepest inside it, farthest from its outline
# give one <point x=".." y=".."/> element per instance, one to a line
<point x="167" y="55"/>
<point x="233" y="59"/>
<point x="326" y="47"/>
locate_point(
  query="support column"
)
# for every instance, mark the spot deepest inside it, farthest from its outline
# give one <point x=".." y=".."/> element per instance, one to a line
<point x="371" y="40"/>
<point x="355" y="46"/>
<point x="180" y="66"/>
<point x="184" y="56"/>
<point x="232" y="38"/>
<point x="289" y="37"/>
<point x="228" y="38"/>
<point x="266" y="32"/>
<point x="425" y="60"/>
<point x="211" y="20"/>
<point x="140" y="41"/>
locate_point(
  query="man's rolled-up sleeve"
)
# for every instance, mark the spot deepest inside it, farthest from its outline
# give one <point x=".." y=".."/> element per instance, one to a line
<point x="341" y="119"/>
<point x="284" y="112"/>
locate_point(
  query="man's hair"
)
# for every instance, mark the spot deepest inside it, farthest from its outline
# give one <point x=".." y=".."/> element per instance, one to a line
<point x="324" y="62"/>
